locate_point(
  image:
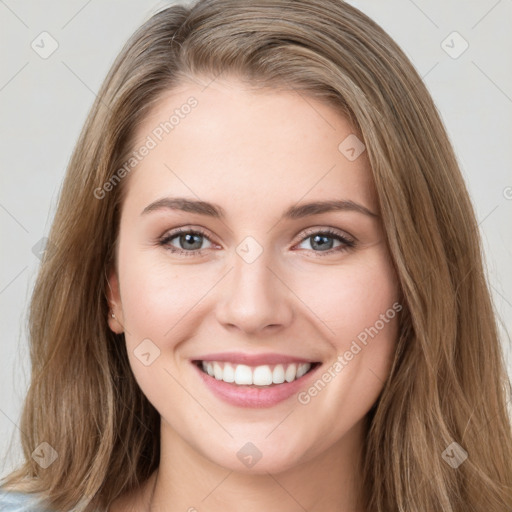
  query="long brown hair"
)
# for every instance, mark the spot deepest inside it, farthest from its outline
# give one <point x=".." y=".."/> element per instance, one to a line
<point x="448" y="382"/>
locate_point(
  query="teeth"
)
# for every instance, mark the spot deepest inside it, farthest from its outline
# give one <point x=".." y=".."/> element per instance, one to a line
<point x="291" y="372"/>
<point x="209" y="369"/>
<point x="264" y="375"/>
<point x="301" y="370"/>
<point x="278" y="374"/>
<point x="217" y="371"/>
<point x="228" y="374"/>
<point x="243" y="374"/>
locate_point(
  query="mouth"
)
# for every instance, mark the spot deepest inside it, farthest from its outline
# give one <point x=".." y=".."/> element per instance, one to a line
<point x="261" y="376"/>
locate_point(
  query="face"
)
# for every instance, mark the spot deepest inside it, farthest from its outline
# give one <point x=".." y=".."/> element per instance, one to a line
<point x="254" y="285"/>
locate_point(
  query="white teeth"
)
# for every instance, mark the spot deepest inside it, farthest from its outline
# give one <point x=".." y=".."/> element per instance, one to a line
<point x="229" y="373"/>
<point x="278" y="374"/>
<point x="291" y="372"/>
<point x="263" y="375"/>
<point x="243" y="374"/>
<point x="302" y="369"/>
<point x="217" y="371"/>
<point x="209" y="368"/>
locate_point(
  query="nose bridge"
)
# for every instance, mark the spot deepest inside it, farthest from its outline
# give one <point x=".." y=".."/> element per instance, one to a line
<point x="253" y="297"/>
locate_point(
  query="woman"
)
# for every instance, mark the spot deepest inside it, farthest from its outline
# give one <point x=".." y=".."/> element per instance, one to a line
<point x="326" y="342"/>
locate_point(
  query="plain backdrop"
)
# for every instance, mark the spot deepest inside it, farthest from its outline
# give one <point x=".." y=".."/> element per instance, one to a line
<point x="461" y="49"/>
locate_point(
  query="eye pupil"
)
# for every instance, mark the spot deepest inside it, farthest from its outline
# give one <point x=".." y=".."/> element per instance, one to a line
<point x="322" y="242"/>
<point x="188" y="238"/>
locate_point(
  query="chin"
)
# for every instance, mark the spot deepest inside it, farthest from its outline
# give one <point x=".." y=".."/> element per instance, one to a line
<point x="249" y="459"/>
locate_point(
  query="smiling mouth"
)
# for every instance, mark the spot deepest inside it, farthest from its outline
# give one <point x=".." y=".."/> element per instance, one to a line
<point x="262" y="376"/>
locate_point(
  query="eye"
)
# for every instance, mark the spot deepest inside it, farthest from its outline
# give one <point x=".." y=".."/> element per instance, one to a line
<point x="188" y="242"/>
<point x="323" y="242"/>
<point x="185" y="241"/>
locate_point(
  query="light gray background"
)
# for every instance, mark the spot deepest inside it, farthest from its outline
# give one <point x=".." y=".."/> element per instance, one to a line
<point x="44" y="102"/>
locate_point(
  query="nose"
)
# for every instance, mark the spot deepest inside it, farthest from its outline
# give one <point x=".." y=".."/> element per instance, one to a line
<point x="254" y="297"/>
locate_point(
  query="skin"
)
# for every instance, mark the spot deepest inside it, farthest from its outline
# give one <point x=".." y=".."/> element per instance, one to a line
<point x="255" y="153"/>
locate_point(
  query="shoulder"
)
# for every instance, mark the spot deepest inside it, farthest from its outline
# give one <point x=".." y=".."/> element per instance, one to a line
<point x="20" y="502"/>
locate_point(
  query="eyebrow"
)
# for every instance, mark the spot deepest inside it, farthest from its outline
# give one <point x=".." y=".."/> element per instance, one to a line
<point x="293" y="212"/>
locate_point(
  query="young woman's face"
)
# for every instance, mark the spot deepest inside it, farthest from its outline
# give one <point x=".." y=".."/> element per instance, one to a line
<point x="256" y="282"/>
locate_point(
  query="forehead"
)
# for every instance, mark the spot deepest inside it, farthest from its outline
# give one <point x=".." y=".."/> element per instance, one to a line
<point x="225" y="141"/>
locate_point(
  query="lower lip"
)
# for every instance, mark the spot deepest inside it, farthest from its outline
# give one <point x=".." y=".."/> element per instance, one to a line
<point x="249" y="396"/>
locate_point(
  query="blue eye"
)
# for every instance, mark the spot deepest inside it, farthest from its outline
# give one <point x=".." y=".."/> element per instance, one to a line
<point x="188" y="242"/>
<point x="322" y="242"/>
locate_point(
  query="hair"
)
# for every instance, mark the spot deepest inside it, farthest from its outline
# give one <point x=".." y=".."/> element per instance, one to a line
<point x="448" y="381"/>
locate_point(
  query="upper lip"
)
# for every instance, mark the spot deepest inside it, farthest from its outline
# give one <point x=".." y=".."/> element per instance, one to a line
<point x="252" y="359"/>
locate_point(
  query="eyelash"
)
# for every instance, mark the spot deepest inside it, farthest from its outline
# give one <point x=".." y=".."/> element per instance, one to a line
<point x="347" y="242"/>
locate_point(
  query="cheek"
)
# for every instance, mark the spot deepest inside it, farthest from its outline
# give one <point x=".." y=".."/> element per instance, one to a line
<point x="350" y="298"/>
<point x="157" y="297"/>
<point x="359" y="305"/>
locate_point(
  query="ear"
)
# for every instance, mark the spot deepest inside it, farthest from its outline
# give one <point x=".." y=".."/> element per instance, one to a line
<point x="115" y="322"/>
